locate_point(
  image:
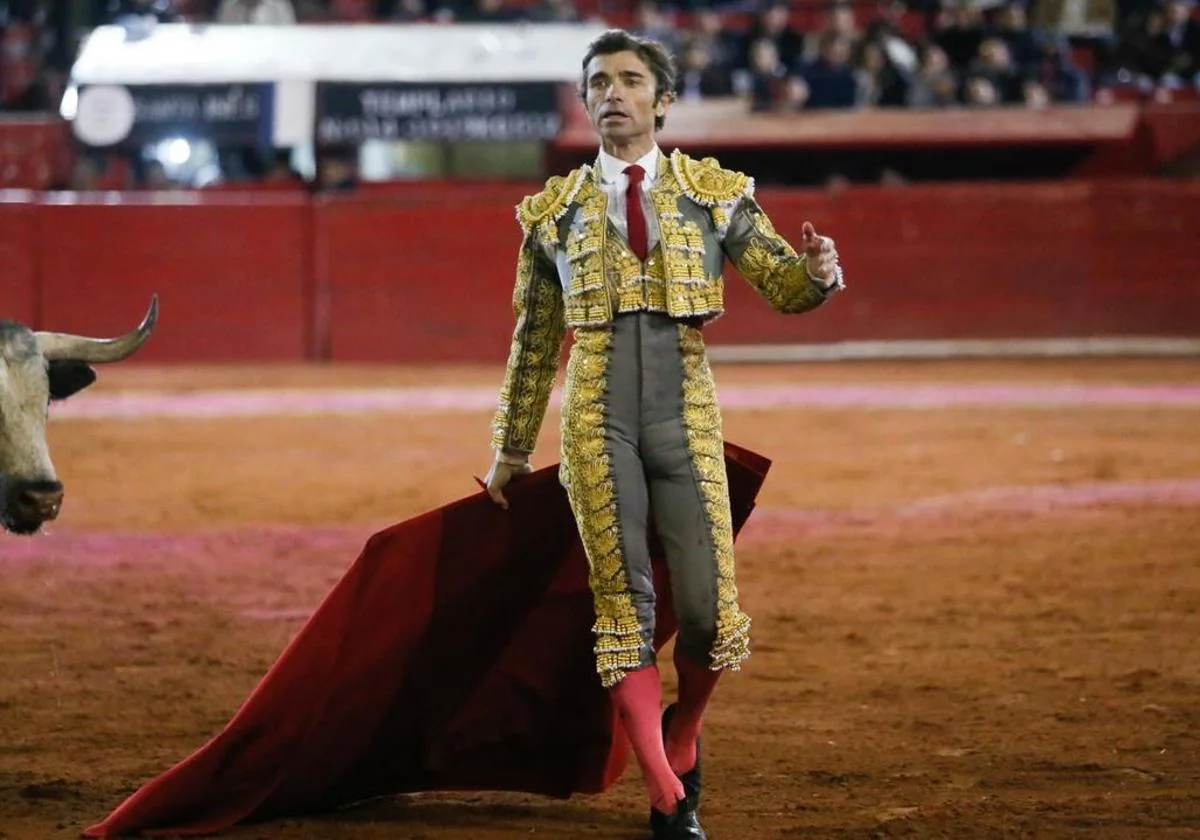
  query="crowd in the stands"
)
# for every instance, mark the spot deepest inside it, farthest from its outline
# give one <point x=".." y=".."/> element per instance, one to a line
<point x="776" y="56"/>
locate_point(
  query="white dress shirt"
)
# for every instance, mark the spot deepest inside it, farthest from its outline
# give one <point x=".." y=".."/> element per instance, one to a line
<point x="614" y="182"/>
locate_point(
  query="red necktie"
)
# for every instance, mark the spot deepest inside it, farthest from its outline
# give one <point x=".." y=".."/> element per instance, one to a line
<point x="638" y="240"/>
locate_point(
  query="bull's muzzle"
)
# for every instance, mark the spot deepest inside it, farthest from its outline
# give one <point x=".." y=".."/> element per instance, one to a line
<point x="28" y="504"/>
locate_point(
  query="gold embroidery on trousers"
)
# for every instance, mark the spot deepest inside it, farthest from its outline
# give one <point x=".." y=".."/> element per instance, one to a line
<point x="586" y="471"/>
<point x="702" y="424"/>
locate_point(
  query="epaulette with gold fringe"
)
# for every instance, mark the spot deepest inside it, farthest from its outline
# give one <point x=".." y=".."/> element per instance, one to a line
<point x="705" y="182"/>
<point x="547" y="206"/>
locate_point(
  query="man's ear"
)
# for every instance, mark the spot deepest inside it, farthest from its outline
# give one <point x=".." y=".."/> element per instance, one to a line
<point x="69" y="377"/>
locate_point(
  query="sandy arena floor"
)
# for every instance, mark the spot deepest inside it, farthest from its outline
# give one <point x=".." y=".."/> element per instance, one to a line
<point x="976" y="589"/>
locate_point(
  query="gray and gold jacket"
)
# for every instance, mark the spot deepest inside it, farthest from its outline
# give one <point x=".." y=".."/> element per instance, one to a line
<point x="575" y="270"/>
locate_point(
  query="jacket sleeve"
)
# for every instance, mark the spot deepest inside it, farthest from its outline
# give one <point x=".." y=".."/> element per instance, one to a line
<point x="533" y="356"/>
<point x="769" y="262"/>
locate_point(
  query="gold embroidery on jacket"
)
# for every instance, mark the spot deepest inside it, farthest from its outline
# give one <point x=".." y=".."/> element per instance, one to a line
<point x="533" y="355"/>
<point x="587" y="295"/>
<point x="681" y="239"/>
<point x="773" y="268"/>
<point x="709" y="185"/>
<point x="637" y="286"/>
<point x="541" y="210"/>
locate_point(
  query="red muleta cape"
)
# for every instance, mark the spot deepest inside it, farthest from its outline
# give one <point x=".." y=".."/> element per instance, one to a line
<point x="454" y="654"/>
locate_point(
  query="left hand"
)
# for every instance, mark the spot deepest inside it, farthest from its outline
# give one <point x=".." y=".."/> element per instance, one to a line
<point x="822" y="256"/>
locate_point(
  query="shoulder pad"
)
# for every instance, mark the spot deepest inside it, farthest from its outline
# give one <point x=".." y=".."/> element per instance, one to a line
<point x="706" y="183"/>
<point x="554" y="199"/>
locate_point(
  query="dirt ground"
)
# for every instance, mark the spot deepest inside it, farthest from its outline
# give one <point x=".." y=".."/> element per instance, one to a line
<point x="973" y="619"/>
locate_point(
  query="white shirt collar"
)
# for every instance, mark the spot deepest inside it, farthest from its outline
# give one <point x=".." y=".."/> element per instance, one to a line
<point x="612" y="168"/>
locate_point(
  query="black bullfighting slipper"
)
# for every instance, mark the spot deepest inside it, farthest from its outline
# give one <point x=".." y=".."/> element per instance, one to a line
<point x="690" y="779"/>
<point x="682" y="825"/>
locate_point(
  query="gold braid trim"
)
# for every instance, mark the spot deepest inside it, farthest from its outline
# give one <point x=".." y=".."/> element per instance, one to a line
<point x="705" y="182"/>
<point x="702" y="424"/>
<point x="533" y="355"/>
<point x="586" y="472"/>
<point x="545" y="208"/>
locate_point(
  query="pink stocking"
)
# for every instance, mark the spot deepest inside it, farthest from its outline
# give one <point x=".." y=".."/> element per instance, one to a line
<point x="696" y="684"/>
<point x="638" y="697"/>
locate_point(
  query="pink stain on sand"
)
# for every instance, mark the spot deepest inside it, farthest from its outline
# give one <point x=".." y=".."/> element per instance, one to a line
<point x="263" y="546"/>
<point x="775" y="523"/>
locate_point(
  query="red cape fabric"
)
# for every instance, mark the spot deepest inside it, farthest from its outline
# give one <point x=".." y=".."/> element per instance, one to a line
<point x="454" y="654"/>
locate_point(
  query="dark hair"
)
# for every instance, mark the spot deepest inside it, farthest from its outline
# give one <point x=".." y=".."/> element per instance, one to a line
<point x="652" y="53"/>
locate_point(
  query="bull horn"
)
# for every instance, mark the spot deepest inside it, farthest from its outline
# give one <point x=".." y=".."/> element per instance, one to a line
<point x="62" y="346"/>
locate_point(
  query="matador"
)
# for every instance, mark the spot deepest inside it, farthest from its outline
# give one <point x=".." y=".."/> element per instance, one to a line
<point x="627" y="253"/>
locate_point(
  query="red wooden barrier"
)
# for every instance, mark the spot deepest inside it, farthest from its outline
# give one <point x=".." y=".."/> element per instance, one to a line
<point x="18" y="272"/>
<point x="425" y="274"/>
<point x="993" y="261"/>
<point x="433" y="281"/>
<point x="417" y="278"/>
<point x="232" y="272"/>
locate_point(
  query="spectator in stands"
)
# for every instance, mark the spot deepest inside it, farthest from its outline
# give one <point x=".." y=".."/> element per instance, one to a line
<point x="958" y="29"/>
<point x="1058" y="75"/>
<point x="724" y="46"/>
<point x="995" y="64"/>
<point x="1181" y="37"/>
<point x="1024" y="42"/>
<point x="887" y="30"/>
<point x="880" y="83"/>
<point x="935" y="84"/>
<point x="22" y="71"/>
<point x="794" y="95"/>
<point x="279" y="169"/>
<point x="832" y="82"/>
<point x="979" y="92"/>
<point x="264" y="12"/>
<point x="651" y="22"/>
<point x="1076" y="18"/>
<point x="337" y="169"/>
<point x="1034" y="94"/>
<point x="774" y="24"/>
<point x="1143" y="55"/>
<point x="838" y="20"/>
<point x="699" y="77"/>
<point x="762" y="84"/>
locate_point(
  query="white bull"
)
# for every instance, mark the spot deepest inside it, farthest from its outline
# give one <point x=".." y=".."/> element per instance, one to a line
<point x="35" y="369"/>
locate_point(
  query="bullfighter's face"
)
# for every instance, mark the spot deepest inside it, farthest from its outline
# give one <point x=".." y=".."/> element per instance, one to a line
<point x="621" y="98"/>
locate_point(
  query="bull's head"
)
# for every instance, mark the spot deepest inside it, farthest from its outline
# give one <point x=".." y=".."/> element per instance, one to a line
<point x="36" y="368"/>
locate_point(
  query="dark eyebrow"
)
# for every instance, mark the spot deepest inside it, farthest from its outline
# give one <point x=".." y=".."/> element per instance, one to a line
<point x="600" y="74"/>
